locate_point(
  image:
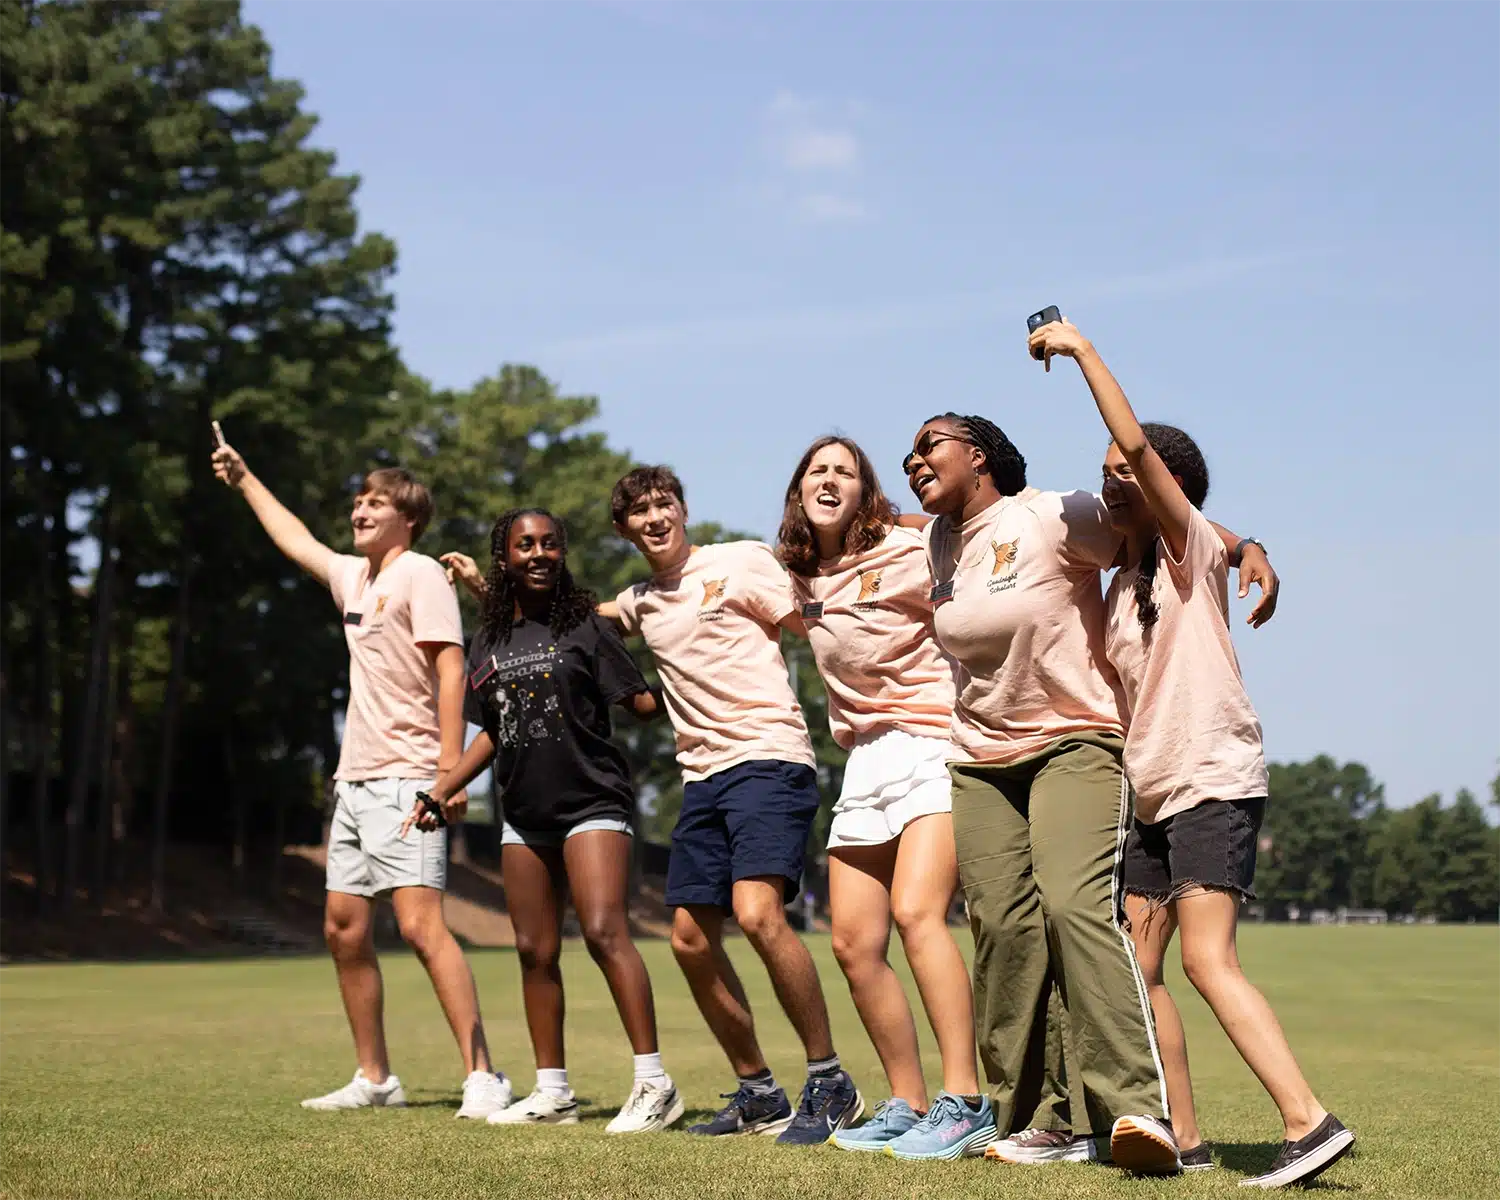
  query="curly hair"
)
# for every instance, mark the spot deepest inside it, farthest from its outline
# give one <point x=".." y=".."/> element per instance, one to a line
<point x="571" y="604"/>
<point x="796" y="546"/>
<point x="1002" y="461"/>
<point x="641" y="482"/>
<point x="1183" y="458"/>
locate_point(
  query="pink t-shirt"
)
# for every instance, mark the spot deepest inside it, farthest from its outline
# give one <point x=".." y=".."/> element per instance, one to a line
<point x="869" y="619"/>
<point x="1194" y="735"/>
<point x="712" y="625"/>
<point x="391" y="729"/>
<point x="1024" y="622"/>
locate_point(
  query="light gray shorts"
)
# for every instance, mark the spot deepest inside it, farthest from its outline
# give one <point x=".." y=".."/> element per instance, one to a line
<point x="367" y="855"/>
<point x="552" y="839"/>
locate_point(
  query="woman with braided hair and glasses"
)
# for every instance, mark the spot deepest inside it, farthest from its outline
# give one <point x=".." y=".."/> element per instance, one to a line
<point x="544" y="671"/>
<point x="1194" y="757"/>
<point x="1040" y="803"/>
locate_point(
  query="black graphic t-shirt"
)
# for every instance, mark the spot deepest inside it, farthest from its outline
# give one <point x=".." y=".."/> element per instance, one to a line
<point x="545" y="703"/>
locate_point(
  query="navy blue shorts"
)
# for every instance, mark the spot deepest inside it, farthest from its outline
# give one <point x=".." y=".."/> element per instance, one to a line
<point x="750" y="820"/>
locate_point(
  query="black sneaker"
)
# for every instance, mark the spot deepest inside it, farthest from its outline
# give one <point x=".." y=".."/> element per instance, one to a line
<point x="747" y="1112"/>
<point x="1306" y="1158"/>
<point x="1197" y="1159"/>
<point x="829" y="1102"/>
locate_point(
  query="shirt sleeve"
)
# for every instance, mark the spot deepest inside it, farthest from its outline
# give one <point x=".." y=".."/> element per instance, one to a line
<point x="1201" y="555"/>
<point x="767" y="589"/>
<point x="338" y="577"/>
<point x="475" y="709"/>
<point x="434" y="606"/>
<point x="615" y="670"/>
<point x="625" y="604"/>
<point x="1087" y="539"/>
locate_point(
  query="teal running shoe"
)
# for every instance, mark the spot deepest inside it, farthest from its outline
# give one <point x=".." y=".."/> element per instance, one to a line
<point x="952" y="1128"/>
<point x="892" y="1118"/>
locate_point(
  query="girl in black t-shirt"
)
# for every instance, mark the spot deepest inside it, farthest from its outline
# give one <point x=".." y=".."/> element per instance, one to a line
<point x="544" y="671"/>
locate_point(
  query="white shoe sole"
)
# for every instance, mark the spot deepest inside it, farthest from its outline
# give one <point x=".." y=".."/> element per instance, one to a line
<point x="1309" y="1166"/>
<point x="521" y="1123"/>
<point x="1141" y="1150"/>
<point x="1024" y="1159"/>
<point x="315" y="1105"/>
<point x="971" y="1146"/>
<point x="665" y="1121"/>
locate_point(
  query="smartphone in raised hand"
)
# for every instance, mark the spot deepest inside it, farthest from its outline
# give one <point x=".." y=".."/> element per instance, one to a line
<point x="1047" y="316"/>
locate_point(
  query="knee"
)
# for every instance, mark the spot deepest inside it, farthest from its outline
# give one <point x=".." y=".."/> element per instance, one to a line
<point x="854" y="951"/>
<point x="690" y="945"/>
<point x="536" y="953"/>
<point x="760" y="921"/>
<point x="606" y="937"/>
<point x="1205" y="968"/>
<point x="344" y="941"/>
<point x="915" y="919"/>
<point x="423" y="934"/>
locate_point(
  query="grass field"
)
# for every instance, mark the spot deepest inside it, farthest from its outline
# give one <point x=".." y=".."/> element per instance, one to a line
<point x="181" y="1080"/>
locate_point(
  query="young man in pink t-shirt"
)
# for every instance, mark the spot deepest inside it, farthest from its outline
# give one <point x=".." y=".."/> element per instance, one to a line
<point x="404" y="727"/>
<point x="712" y="616"/>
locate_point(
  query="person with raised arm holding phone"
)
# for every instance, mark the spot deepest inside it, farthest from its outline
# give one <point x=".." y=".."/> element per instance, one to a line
<point x="1194" y="758"/>
<point x="404" y="727"/>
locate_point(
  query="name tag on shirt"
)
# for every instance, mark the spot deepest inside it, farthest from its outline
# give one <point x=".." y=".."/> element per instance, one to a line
<point x="812" y="610"/>
<point x="483" y="673"/>
<point x="942" y="592"/>
<point x="353" y="618"/>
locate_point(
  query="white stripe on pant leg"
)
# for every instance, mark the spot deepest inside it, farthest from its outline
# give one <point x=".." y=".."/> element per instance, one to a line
<point x="1116" y="878"/>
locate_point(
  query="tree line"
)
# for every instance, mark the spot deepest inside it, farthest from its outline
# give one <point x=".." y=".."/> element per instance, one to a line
<point x="174" y="248"/>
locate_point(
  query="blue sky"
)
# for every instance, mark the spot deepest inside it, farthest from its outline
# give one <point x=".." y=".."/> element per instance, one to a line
<point x="745" y="226"/>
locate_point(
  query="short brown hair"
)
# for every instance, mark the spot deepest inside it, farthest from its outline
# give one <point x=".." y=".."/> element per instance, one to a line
<point x="641" y="482"/>
<point x="795" y="545"/>
<point x="411" y="499"/>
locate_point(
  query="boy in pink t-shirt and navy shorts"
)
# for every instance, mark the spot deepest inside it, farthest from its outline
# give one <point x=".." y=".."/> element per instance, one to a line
<point x="712" y="618"/>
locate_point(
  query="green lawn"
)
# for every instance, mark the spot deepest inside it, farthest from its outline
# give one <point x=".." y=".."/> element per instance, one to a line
<point x="182" y="1080"/>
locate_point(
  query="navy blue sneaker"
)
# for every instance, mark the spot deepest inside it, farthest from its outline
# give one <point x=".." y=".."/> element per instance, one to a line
<point x="829" y="1103"/>
<point x="748" y="1112"/>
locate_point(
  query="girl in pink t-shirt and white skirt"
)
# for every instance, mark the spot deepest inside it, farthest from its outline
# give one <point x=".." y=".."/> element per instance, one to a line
<point x="863" y="589"/>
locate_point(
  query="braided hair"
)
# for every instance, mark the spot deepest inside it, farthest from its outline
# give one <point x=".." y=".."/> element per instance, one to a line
<point x="1184" y="460"/>
<point x="1002" y="461"/>
<point x="571" y="604"/>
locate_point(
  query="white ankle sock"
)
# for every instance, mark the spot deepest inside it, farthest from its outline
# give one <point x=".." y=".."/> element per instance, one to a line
<point x="648" y="1069"/>
<point x="553" y="1081"/>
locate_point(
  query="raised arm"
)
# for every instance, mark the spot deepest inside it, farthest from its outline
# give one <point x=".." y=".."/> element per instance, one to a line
<point x="1162" y="491"/>
<point x="291" y="536"/>
<point x="1158" y="484"/>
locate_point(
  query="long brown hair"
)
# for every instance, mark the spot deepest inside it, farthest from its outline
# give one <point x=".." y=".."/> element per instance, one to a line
<point x="796" y="546"/>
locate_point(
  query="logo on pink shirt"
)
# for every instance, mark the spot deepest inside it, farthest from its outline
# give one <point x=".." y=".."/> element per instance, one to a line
<point x="1005" y="556"/>
<point x="713" y="593"/>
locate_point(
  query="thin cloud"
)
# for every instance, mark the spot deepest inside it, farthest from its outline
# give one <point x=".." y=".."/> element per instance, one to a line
<point x="853" y="322"/>
<point x="814" y="154"/>
<point x="824" y="206"/>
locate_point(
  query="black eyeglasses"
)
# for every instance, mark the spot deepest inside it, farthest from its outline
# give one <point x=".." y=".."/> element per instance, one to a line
<point x="924" y="447"/>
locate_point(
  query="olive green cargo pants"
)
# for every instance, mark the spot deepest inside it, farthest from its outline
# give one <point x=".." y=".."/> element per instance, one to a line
<point x="1038" y="848"/>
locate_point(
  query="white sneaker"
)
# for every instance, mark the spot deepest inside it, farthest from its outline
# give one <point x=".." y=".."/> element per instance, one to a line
<point x="650" y="1107"/>
<point x="1144" y="1145"/>
<point x="539" y="1108"/>
<point x="359" y="1092"/>
<point x="485" y="1094"/>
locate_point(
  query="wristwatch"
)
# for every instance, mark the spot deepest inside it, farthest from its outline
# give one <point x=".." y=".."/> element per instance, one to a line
<point x="1239" y="551"/>
<point x="432" y="808"/>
